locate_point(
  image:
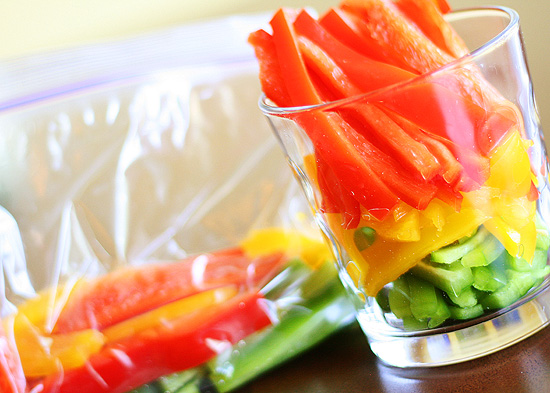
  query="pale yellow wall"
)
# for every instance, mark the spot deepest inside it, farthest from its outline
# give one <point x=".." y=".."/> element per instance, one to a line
<point x="30" y="26"/>
<point x="535" y="21"/>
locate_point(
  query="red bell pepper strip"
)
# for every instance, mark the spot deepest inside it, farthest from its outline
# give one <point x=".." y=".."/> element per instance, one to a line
<point x="271" y="75"/>
<point x="331" y="137"/>
<point x="131" y="291"/>
<point x="382" y="21"/>
<point x="338" y="149"/>
<point x="429" y="18"/>
<point x="451" y="168"/>
<point x="375" y="124"/>
<point x="301" y="90"/>
<point x="272" y="83"/>
<point x="349" y="29"/>
<point x="367" y="74"/>
<point x="451" y="116"/>
<point x="12" y="379"/>
<point x="466" y="82"/>
<point x="442" y="5"/>
<point x="174" y="346"/>
<point x="336" y="199"/>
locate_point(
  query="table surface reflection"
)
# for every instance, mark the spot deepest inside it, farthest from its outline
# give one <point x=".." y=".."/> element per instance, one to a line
<point x="344" y="363"/>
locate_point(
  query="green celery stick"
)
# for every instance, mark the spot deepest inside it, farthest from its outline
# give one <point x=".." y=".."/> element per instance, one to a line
<point x="382" y="298"/>
<point x="518" y="284"/>
<point x="147" y="388"/>
<point x="399" y="298"/>
<point x="473" y="258"/>
<point x="423" y="298"/>
<point x="173" y="383"/>
<point x="290" y="278"/>
<point x="521" y="265"/>
<point x="452" y="278"/>
<point x="485" y="253"/>
<point x="454" y="252"/>
<point x="311" y="323"/>
<point x="442" y="312"/>
<point x="464" y="313"/>
<point x="466" y="298"/>
<point x="488" y="279"/>
<point x="411" y="323"/>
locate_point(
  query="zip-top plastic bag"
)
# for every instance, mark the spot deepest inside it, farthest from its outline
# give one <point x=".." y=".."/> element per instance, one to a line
<point x="151" y="234"/>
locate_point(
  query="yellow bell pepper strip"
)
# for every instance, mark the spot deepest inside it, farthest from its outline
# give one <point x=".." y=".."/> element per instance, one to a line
<point x="176" y="345"/>
<point x="12" y="379"/>
<point x="169" y="312"/>
<point x="43" y="354"/>
<point x="513" y="209"/>
<point x="294" y="244"/>
<point x="389" y="257"/>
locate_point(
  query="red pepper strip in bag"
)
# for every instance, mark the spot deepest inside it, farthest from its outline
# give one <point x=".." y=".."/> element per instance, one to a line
<point x="12" y="379"/>
<point x="125" y="293"/>
<point x="169" y="347"/>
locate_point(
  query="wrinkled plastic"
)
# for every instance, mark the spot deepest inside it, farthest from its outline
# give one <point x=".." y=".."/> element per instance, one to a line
<point x="116" y="169"/>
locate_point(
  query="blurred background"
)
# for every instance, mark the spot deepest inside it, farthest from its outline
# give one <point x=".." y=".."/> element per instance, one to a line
<point x="29" y="27"/>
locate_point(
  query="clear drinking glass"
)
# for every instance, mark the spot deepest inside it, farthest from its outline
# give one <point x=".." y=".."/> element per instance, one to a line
<point x="466" y="274"/>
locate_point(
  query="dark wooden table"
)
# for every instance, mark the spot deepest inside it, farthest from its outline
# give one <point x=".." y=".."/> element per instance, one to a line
<point x="344" y="363"/>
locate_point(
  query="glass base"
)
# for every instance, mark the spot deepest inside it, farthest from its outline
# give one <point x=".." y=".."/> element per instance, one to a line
<point x="459" y="343"/>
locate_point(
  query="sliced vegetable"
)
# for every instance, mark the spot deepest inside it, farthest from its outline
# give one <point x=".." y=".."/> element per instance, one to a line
<point x="128" y="292"/>
<point x="450" y="133"/>
<point x="382" y="22"/>
<point x="366" y="73"/>
<point x="292" y="243"/>
<point x="453" y="278"/>
<point x="12" y="379"/>
<point x="428" y="16"/>
<point x="323" y="310"/>
<point x="178" y="345"/>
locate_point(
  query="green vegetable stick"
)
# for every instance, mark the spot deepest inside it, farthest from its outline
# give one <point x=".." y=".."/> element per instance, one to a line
<point x="399" y="298"/>
<point x="454" y="252"/>
<point x="452" y="278"/>
<point x="423" y="298"/>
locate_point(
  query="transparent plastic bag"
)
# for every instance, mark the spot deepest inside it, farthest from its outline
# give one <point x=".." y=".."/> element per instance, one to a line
<point x="151" y="229"/>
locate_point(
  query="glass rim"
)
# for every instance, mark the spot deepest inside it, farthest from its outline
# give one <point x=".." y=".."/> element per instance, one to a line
<point x="513" y="22"/>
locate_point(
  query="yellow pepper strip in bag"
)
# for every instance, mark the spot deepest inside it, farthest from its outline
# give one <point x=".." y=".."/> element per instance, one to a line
<point x="169" y="312"/>
<point x="312" y="251"/>
<point x="42" y="354"/>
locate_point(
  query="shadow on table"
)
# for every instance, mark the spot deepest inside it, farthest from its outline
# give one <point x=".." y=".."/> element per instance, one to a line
<point x="344" y="363"/>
